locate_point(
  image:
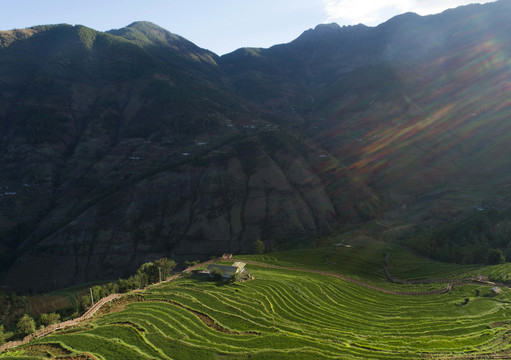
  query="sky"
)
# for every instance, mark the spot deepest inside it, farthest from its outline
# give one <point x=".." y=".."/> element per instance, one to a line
<point x="221" y="26"/>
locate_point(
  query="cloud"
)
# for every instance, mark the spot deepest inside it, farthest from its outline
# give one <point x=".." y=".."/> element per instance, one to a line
<point x="374" y="12"/>
<point x="368" y="12"/>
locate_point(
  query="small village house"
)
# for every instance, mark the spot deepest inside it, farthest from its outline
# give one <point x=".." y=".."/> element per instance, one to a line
<point x="227" y="271"/>
<point x="495" y="290"/>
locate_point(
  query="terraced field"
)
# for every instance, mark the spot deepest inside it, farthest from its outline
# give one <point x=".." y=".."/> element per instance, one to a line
<point x="297" y="314"/>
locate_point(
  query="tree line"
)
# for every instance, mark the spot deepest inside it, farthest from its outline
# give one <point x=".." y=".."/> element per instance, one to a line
<point x="482" y="236"/>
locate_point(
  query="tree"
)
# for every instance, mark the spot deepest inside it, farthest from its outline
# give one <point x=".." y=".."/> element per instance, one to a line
<point x="111" y="288"/>
<point x="2" y="335"/>
<point x="259" y="246"/>
<point x="166" y="266"/>
<point x="128" y="284"/>
<point x="25" y="325"/>
<point x="495" y="256"/>
<point x="141" y="280"/>
<point x="98" y="293"/>
<point x="191" y="263"/>
<point x="147" y="273"/>
<point x="49" y="319"/>
<point x="84" y="302"/>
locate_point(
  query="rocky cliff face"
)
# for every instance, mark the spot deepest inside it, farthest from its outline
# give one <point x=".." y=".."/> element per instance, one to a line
<point x="189" y="211"/>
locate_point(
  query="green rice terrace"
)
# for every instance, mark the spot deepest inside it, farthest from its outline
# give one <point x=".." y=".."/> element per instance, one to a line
<point x="334" y="303"/>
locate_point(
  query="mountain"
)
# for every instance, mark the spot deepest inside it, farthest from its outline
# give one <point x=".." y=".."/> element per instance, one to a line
<point x="123" y="146"/>
<point x="417" y="104"/>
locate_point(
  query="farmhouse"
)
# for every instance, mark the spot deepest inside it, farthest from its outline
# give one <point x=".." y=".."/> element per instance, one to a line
<point x="495" y="290"/>
<point x="227" y="271"/>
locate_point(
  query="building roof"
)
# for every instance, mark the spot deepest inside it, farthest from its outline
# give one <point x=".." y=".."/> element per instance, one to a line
<point x="496" y="289"/>
<point x="239" y="265"/>
<point x="227" y="270"/>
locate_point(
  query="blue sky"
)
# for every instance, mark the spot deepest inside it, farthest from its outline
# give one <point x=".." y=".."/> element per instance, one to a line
<point x="218" y="25"/>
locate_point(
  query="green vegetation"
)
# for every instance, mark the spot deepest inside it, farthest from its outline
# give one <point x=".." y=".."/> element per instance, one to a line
<point x="17" y="319"/>
<point x="39" y="124"/>
<point x="147" y="273"/>
<point x="87" y="35"/>
<point x="259" y="246"/>
<point x="299" y="314"/>
<point x="482" y="236"/>
<point x="191" y="263"/>
<point x="49" y="319"/>
<point x="2" y="334"/>
<point x="26" y="325"/>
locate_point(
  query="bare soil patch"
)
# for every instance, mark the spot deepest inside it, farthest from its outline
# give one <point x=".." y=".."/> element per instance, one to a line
<point x="44" y="304"/>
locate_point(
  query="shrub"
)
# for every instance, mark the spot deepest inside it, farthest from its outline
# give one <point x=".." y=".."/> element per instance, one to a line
<point x="98" y="292"/>
<point x="2" y="335"/>
<point x="84" y="302"/>
<point x="49" y="319"/>
<point x="259" y="246"/>
<point x="128" y="284"/>
<point x="495" y="256"/>
<point x="166" y="266"/>
<point x="25" y="325"/>
<point x="111" y="288"/>
<point x="147" y="273"/>
<point x="191" y="263"/>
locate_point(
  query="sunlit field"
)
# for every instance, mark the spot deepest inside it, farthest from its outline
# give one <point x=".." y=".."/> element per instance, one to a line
<point x="300" y="314"/>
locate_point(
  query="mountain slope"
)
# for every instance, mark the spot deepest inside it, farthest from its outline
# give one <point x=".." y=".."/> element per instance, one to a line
<point x="417" y="105"/>
<point x="122" y="146"/>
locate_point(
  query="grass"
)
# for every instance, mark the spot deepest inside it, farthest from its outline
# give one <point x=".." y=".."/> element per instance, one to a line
<point x="364" y="260"/>
<point x="290" y="314"/>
